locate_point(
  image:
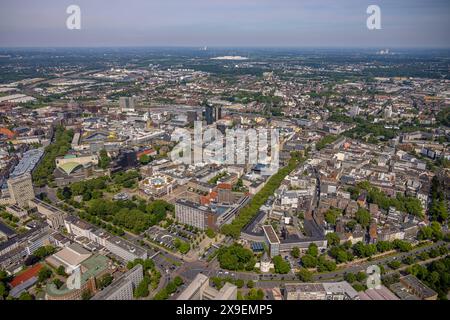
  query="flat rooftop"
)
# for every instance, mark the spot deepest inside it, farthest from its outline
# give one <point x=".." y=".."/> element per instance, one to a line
<point x="270" y="234"/>
<point x="418" y="286"/>
<point x="126" y="245"/>
<point x="28" y="162"/>
<point x="191" y="204"/>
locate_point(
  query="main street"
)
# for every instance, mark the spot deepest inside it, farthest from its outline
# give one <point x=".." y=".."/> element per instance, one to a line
<point x="267" y="281"/>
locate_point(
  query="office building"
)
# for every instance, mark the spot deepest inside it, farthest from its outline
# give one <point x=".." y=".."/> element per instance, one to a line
<point x="224" y="194"/>
<point x="125" y="249"/>
<point x="199" y="289"/>
<point x="272" y="240"/>
<point x="217" y="113"/>
<point x="320" y="291"/>
<point x="126" y="159"/>
<point x="21" y="189"/>
<point x="54" y="216"/>
<point x="123" y="287"/>
<point x="193" y="214"/>
<point x="212" y="114"/>
<point x="209" y="114"/>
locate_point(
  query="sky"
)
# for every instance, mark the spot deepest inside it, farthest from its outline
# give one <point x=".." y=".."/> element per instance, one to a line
<point x="246" y="23"/>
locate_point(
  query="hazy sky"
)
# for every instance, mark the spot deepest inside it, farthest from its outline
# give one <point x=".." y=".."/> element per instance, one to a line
<point x="298" y="23"/>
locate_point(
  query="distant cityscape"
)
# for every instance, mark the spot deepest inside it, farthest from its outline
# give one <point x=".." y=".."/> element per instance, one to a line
<point x="93" y="205"/>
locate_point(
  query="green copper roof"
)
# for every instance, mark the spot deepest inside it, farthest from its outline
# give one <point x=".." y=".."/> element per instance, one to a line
<point x="94" y="266"/>
<point x="69" y="167"/>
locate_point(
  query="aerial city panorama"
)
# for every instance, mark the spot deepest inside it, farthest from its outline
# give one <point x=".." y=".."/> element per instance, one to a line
<point x="224" y="150"/>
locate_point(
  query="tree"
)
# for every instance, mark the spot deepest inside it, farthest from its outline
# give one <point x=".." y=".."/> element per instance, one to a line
<point x="44" y="274"/>
<point x="281" y="266"/>
<point x="332" y="239"/>
<point x="142" y="288"/>
<point x="182" y="246"/>
<point x="25" y="296"/>
<point x="408" y="260"/>
<point x="363" y="217"/>
<point x="235" y="257"/>
<point x="326" y="141"/>
<point x="61" y="271"/>
<point x="323" y="264"/>
<point x="3" y="290"/>
<point x="43" y="173"/>
<point x="58" y="283"/>
<point x="383" y="246"/>
<point x="359" y="287"/>
<point x="104" y="160"/>
<point x="64" y="193"/>
<point x="295" y="252"/>
<point x="362" y="250"/>
<point x="210" y="233"/>
<point x="178" y="281"/>
<point x="341" y="256"/>
<point x="171" y="287"/>
<point x="239" y="283"/>
<point x="331" y="216"/>
<point x="304" y="275"/>
<point x="250" y="284"/>
<point x="394" y="264"/>
<point x="401" y="245"/>
<point x="44" y="251"/>
<point x="350" y="277"/>
<point x="105" y="280"/>
<point x="308" y="261"/>
<point x="254" y="294"/>
<point x="313" y="250"/>
<point x="148" y="264"/>
<point x="437" y="230"/>
<point x="361" y="276"/>
<point x="144" y="159"/>
<point x="351" y="225"/>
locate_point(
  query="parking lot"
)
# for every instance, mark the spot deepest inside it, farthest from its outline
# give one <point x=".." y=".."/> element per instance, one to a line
<point x="164" y="237"/>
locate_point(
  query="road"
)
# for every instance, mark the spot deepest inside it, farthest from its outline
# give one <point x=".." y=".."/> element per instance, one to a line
<point x="382" y="261"/>
<point x="267" y="281"/>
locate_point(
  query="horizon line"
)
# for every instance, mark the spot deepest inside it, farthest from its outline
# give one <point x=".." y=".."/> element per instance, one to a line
<point x="225" y="47"/>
